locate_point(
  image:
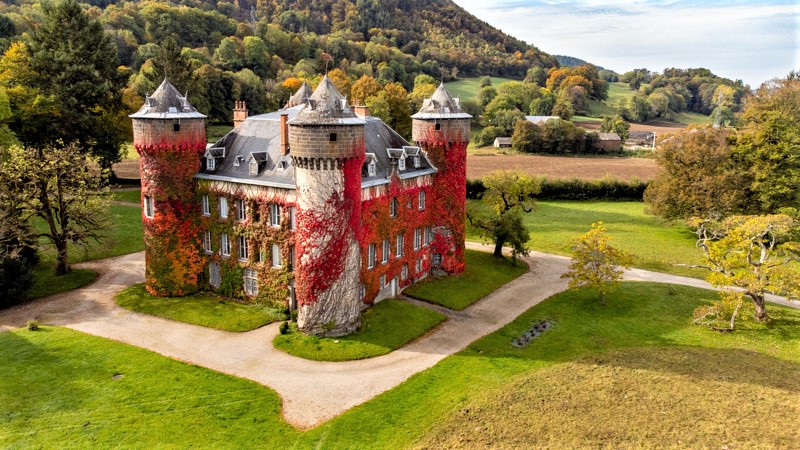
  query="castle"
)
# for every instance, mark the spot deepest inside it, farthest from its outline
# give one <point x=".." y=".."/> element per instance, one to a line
<point x="317" y="206"/>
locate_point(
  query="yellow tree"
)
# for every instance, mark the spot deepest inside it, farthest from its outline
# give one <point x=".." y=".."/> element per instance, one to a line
<point x="752" y="254"/>
<point x="595" y="262"/>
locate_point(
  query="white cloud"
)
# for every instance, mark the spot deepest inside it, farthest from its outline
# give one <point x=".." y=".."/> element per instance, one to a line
<point x="739" y="40"/>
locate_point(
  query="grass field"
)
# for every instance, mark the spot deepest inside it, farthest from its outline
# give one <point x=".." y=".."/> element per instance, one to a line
<point x="206" y="310"/>
<point x="385" y="327"/>
<point x="128" y="196"/>
<point x="468" y="87"/>
<point x="656" y="244"/>
<point x="634" y="373"/>
<point x="124" y="236"/>
<point x="483" y="275"/>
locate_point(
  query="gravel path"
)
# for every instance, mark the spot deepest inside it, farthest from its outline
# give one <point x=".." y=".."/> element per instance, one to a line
<point x="312" y="392"/>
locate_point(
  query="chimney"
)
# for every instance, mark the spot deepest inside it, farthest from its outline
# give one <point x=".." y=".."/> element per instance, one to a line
<point x="361" y="110"/>
<point x="239" y="113"/>
<point x="284" y="134"/>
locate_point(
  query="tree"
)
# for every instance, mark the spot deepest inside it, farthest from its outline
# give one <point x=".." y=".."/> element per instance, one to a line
<point x="595" y="262"/>
<point x="364" y="88"/>
<point x="485" y="81"/>
<point x="73" y="62"/>
<point x="527" y="137"/>
<point x="391" y="105"/>
<point x="699" y="176"/>
<point x="751" y="253"/>
<point x="507" y="197"/>
<point x="63" y="187"/>
<point x="768" y="143"/>
<point x="616" y="124"/>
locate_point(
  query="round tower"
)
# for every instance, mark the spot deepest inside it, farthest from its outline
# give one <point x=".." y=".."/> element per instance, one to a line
<point x="441" y="128"/>
<point x="326" y="142"/>
<point x="170" y="137"/>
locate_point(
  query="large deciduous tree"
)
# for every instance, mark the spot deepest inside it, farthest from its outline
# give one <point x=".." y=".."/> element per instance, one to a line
<point x="699" y="177"/>
<point x="72" y="66"/>
<point x="62" y="186"/>
<point x="750" y="253"/>
<point x="768" y="143"/>
<point x="595" y="262"/>
<point x="507" y="198"/>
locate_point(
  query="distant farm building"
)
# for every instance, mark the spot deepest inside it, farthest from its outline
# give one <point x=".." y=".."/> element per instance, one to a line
<point x="502" y="142"/>
<point x="641" y="137"/>
<point x="540" y="120"/>
<point x="609" y="141"/>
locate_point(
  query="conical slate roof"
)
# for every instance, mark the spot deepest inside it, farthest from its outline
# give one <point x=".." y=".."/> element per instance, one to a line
<point x="441" y="105"/>
<point x="300" y="96"/>
<point x="326" y="106"/>
<point x="166" y="103"/>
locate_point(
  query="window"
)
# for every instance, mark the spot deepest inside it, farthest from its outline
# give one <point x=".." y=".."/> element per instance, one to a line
<point x="428" y="236"/>
<point x="207" y="242"/>
<point x="205" y="205"/>
<point x="149" y="207"/>
<point x="437" y="126"/>
<point x="399" y="250"/>
<point x="276" y="255"/>
<point x="401" y="164"/>
<point x="419" y="265"/>
<point x="333" y="137"/>
<point x="292" y="214"/>
<point x="211" y="163"/>
<point x="223" y="207"/>
<point x="262" y="254"/>
<point x="214" y="278"/>
<point x="421" y="200"/>
<point x="243" y="253"/>
<point x="250" y="282"/>
<point x="275" y="214"/>
<point x="237" y="160"/>
<point x="393" y="207"/>
<point x="241" y="210"/>
<point x="371" y="169"/>
<point x="253" y="168"/>
<point x="371" y="250"/>
<point x="291" y="258"/>
<point x="417" y="238"/>
<point x="176" y="125"/>
<point x="385" y="251"/>
<point x="437" y="259"/>
<point x="416" y="162"/>
<point x="362" y="291"/>
<point x="404" y="272"/>
<point x="225" y="245"/>
<point x="383" y="281"/>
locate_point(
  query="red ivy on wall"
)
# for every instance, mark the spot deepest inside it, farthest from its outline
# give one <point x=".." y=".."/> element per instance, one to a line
<point x="171" y="236"/>
<point x="324" y="235"/>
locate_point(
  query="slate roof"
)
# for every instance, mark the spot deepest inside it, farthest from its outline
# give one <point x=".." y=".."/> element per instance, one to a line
<point x="441" y="105"/>
<point x="608" y="137"/>
<point x="166" y="103"/>
<point x="259" y="137"/>
<point x="326" y="106"/>
<point x="300" y="96"/>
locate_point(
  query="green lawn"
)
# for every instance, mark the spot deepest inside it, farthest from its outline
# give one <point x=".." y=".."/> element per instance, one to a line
<point x="634" y="373"/>
<point x="206" y="310"/>
<point x="468" y="87"/>
<point x="386" y="326"/>
<point x="483" y="275"/>
<point x="124" y="236"/>
<point x="656" y="244"/>
<point x="693" y="118"/>
<point x="128" y="196"/>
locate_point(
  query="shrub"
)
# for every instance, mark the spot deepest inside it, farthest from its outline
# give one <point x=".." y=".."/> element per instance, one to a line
<point x="284" y="328"/>
<point x="16" y="278"/>
<point x="575" y="189"/>
<point x="33" y="325"/>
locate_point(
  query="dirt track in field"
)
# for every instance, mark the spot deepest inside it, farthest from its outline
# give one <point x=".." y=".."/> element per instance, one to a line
<point x="560" y="167"/>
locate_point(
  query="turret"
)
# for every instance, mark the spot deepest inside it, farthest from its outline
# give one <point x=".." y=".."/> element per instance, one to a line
<point x="441" y="128"/>
<point x="326" y="143"/>
<point x="170" y="136"/>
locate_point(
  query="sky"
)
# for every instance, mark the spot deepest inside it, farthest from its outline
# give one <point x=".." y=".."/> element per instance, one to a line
<point x="748" y="40"/>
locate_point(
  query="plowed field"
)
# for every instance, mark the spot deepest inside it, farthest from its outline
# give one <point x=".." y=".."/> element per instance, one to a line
<point x="554" y="167"/>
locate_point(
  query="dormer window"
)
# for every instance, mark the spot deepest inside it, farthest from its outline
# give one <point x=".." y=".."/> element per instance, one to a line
<point x="401" y="164"/>
<point x="211" y="163"/>
<point x="237" y="161"/>
<point x="257" y="161"/>
<point x="371" y="169"/>
<point x="416" y="161"/>
<point x="253" y="167"/>
<point x="283" y="165"/>
<point x="176" y="125"/>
